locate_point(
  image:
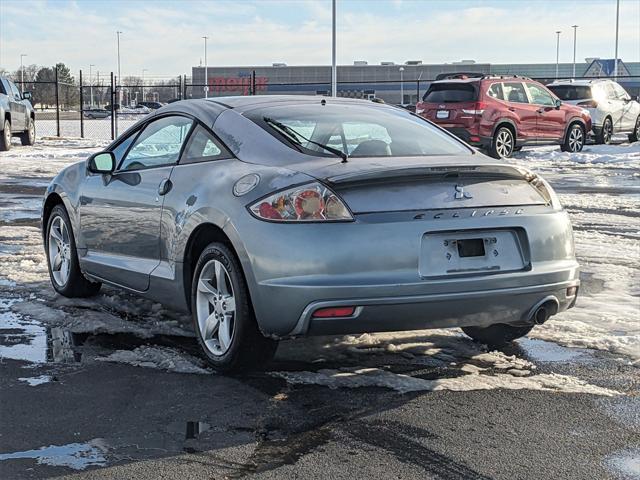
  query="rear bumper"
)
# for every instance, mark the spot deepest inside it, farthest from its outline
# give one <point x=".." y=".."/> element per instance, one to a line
<point x="471" y="139"/>
<point x="375" y="264"/>
<point x="478" y="308"/>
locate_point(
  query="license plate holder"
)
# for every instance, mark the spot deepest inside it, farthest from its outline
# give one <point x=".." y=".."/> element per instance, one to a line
<point x="442" y="114"/>
<point x="470" y="252"/>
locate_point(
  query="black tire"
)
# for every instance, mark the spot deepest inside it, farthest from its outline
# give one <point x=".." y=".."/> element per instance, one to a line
<point x="76" y="285"/>
<point x="248" y="348"/>
<point x="517" y="148"/>
<point x="29" y="135"/>
<point x="574" y="140"/>
<point x="5" y="138"/>
<point x="496" y="335"/>
<point x="635" y="135"/>
<point x="503" y="143"/>
<point x="606" y="132"/>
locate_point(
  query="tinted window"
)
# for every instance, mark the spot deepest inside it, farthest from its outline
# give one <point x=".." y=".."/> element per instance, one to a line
<point x="202" y="147"/>
<point x="158" y="144"/>
<point x="539" y="96"/>
<point x="514" y="92"/>
<point x="359" y="130"/>
<point x="450" y="93"/>
<point x="571" y="92"/>
<point x="495" y="91"/>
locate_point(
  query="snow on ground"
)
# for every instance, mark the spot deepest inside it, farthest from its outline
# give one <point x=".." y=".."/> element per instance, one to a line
<point x="600" y="188"/>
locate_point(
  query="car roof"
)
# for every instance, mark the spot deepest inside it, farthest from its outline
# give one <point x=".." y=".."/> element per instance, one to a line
<point x="582" y="82"/>
<point x="211" y="108"/>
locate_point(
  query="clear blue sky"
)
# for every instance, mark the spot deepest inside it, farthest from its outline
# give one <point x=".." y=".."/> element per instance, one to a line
<point x="164" y="37"/>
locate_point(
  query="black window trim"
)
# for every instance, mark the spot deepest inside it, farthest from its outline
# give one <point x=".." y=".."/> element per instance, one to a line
<point x="225" y="154"/>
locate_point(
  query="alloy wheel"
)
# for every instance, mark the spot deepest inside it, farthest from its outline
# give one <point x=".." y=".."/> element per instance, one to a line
<point x="216" y="307"/>
<point x="59" y="251"/>
<point x="7" y="133"/>
<point x="608" y="131"/>
<point x="32" y="132"/>
<point x="576" y="139"/>
<point x="504" y="143"/>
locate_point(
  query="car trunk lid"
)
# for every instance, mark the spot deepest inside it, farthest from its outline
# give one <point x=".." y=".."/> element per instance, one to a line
<point x="419" y="183"/>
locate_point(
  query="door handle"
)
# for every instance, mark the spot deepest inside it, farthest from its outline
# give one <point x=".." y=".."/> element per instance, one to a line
<point x="511" y="109"/>
<point x="165" y="186"/>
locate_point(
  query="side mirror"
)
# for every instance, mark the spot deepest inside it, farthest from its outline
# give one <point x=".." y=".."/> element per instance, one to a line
<point x="558" y="103"/>
<point x="104" y="163"/>
<point x="26" y="95"/>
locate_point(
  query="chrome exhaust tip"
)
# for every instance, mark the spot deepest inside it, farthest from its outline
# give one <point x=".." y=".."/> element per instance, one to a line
<point x="544" y="310"/>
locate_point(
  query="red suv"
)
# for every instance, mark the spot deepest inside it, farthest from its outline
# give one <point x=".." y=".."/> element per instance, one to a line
<point x="502" y="114"/>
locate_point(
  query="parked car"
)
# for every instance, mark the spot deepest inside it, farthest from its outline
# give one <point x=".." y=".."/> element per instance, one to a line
<point x="17" y="117"/>
<point x="96" y="113"/>
<point x="503" y="114"/>
<point x="611" y="108"/>
<point x="151" y="105"/>
<point x="277" y="217"/>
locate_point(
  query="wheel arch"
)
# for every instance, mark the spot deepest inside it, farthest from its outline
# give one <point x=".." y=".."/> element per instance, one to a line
<point x="572" y="121"/>
<point x="506" y="122"/>
<point x="200" y="237"/>
<point x="50" y="202"/>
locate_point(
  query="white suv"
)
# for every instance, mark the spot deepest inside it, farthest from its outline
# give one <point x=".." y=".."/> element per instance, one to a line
<point x="612" y="109"/>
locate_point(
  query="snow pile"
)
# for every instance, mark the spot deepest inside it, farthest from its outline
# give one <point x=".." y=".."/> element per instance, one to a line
<point x="375" y="377"/>
<point x="161" y="358"/>
<point x="35" y="381"/>
<point x="624" y="155"/>
<point x="606" y="320"/>
<point x="24" y="262"/>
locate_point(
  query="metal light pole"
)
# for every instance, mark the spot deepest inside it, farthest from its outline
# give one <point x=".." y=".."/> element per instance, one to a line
<point x="206" y="70"/>
<point x="401" y="85"/>
<point x="91" y="84"/>
<point x="615" y="60"/>
<point x="334" y="68"/>
<point x="575" y="30"/>
<point x="558" y="32"/>
<point x="143" y="72"/>
<point x="22" y="55"/>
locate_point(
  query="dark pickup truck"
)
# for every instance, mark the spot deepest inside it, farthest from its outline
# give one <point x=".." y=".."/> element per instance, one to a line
<point x="17" y="117"/>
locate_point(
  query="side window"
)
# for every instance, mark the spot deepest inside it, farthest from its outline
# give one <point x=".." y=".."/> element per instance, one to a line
<point x="495" y="91"/>
<point x="15" y="91"/>
<point x="158" y="144"/>
<point x="611" y="93"/>
<point x="3" y="88"/>
<point x="123" y="146"/>
<point x="621" y="93"/>
<point x="514" y="92"/>
<point x="203" y="147"/>
<point x="540" y="96"/>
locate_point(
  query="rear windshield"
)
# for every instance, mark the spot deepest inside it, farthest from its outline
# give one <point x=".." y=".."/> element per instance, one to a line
<point x="358" y="130"/>
<point x="571" y="92"/>
<point x="450" y="93"/>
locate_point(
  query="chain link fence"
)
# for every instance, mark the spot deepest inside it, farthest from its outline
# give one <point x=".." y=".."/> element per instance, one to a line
<point x="103" y="106"/>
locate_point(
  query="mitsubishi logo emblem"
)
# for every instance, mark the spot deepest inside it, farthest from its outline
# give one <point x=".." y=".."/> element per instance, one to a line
<point x="461" y="194"/>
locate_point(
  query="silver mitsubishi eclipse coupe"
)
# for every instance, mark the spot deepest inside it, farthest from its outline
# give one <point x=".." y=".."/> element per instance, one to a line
<point x="271" y="217"/>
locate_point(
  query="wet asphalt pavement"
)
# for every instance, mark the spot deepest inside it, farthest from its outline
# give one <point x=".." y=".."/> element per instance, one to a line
<point x="64" y="411"/>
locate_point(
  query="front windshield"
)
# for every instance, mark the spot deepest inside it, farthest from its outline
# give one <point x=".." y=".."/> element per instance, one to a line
<point x="357" y="130"/>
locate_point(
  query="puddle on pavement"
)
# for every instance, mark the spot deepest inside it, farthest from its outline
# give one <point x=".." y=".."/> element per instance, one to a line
<point x="194" y="429"/>
<point x="625" y="464"/>
<point x="543" y="351"/>
<point x="77" y="456"/>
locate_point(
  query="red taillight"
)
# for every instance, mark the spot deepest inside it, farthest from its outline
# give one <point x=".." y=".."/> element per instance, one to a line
<point x="478" y="109"/>
<point x="473" y="138"/>
<point x="334" y="312"/>
<point x="588" y="104"/>
<point x="267" y="211"/>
